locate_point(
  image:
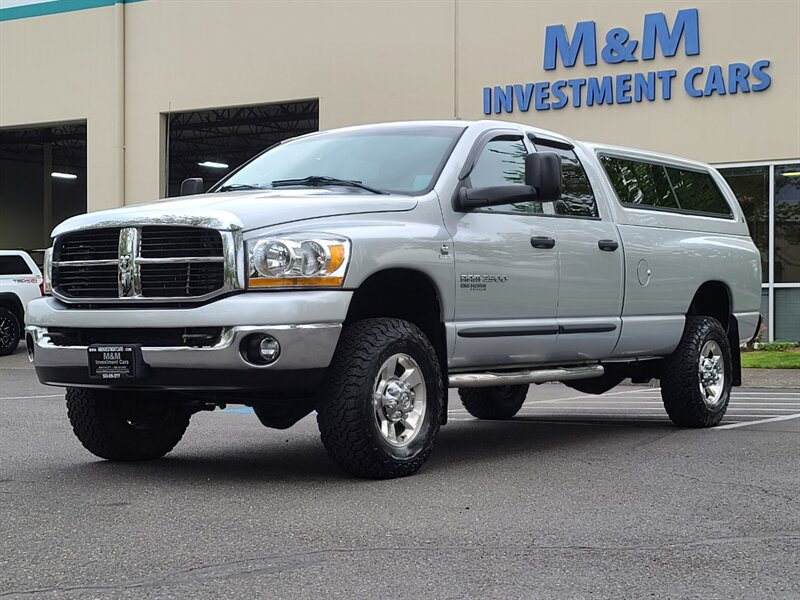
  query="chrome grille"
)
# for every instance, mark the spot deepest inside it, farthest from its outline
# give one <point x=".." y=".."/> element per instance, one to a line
<point x="180" y="279"/>
<point x="138" y="263"/>
<point x="166" y="242"/>
<point x="97" y="244"/>
<point x="98" y="281"/>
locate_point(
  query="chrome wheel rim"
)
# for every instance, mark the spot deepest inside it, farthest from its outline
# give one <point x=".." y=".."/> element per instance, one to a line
<point x="711" y="373"/>
<point x="7" y="332"/>
<point x="399" y="400"/>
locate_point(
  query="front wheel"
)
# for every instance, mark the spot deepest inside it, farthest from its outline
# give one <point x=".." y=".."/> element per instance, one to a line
<point x="125" y="426"/>
<point x="380" y="406"/>
<point x="696" y="378"/>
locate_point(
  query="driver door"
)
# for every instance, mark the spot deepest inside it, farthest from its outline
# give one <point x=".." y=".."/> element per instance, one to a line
<point x="506" y="269"/>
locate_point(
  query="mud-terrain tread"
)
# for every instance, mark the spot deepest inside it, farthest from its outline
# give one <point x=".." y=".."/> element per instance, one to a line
<point x="680" y="390"/>
<point x="482" y="403"/>
<point x="92" y="415"/>
<point x="8" y="314"/>
<point x="344" y="424"/>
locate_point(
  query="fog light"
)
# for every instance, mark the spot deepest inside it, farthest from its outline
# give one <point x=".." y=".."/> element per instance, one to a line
<point x="260" y="349"/>
<point x="269" y="349"/>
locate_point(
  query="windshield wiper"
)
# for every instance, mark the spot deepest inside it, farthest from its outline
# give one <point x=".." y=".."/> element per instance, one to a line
<point x="321" y="181"/>
<point x="235" y="187"/>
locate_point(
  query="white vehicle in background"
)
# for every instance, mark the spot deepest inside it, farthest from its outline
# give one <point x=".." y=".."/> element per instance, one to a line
<point x="20" y="282"/>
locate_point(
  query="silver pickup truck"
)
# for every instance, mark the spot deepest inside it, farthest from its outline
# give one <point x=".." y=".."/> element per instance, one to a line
<point x="360" y="272"/>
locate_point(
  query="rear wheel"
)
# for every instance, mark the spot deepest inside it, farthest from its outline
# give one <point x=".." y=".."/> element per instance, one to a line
<point x="125" y="426"/>
<point x="381" y="403"/>
<point x="696" y="378"/>
<point x="10" y="332"/>
<point x="494" y="403"/>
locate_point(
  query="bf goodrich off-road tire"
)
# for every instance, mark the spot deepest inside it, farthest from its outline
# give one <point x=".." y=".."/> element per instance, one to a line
<point x="124" y="426"/>
<point x="696" y="378"/>
<point x="10" y="332"/>
<point x="380" y="406"/>
<point x="493" y="403"/>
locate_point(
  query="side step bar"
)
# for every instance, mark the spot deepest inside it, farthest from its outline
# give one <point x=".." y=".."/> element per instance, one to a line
<point x="485" y="379"/>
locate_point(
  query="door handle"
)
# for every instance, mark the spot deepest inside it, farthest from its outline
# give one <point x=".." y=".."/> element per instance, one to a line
<point x="542" y="242"/>
<point x="608" y="245"/>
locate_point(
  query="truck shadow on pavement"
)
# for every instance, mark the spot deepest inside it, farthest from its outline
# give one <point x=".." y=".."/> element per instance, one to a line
<point x="300" y="459"/>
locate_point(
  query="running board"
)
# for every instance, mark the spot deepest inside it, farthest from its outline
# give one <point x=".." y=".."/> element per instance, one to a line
<point x="485" y="379"/>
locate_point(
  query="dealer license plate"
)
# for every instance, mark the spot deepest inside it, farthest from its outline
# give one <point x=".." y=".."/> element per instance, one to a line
<point x="114" y="362"/>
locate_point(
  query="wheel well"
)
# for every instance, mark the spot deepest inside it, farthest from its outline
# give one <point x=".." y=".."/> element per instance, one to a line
<point x="712" y="299"/>
<point x="12" y="303"/>
<point x="403" y="294"/>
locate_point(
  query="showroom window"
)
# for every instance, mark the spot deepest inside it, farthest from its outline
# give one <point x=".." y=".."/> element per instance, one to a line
<point x="751" y="187"/>
<point x="42" y="182"/>
<point x="787" y="223"/>
<point x="210" y="143"/>
<point x="769" y="195"/>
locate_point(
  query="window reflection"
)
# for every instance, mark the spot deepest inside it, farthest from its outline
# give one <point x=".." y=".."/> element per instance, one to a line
<point x="502" y="162"/>
<point x="787" y="223"/>
<point x="750" y="185"/>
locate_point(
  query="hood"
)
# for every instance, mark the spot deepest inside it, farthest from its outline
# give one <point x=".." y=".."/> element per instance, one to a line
<point x="241" y="210"/>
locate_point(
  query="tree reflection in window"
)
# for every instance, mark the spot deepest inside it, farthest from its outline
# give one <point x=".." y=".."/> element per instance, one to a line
<point x="787" y="223"/>
<point x="577" y="197"/>
<point x="639" y="183"/>
<point x="502" y="162"/>
<point x="750" y="185"/>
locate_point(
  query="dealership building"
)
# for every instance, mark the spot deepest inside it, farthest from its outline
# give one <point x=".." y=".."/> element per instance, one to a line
<point x="105" y="103"/>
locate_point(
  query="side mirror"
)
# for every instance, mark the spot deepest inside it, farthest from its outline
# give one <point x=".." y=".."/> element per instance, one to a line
<point x="192" y="186"/>
<point x="543" y="172"/>
<point x="472" y="198"/>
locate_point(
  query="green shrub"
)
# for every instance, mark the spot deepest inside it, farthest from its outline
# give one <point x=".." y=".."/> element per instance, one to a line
<point x="777" y="346"/>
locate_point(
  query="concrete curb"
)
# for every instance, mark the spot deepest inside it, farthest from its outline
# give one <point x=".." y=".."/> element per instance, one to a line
<point x="757" y="378"/>
<point x="773" y="378"/>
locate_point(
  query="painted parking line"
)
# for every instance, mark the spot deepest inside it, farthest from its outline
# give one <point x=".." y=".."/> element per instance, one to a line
<point x="594" y="404"/>
<point x="748" y="406"/>
<point x="754" y="407"/>
<point x="759" y="422"/>
<point x="31" y="397"/>
<point x="789" y="405"/>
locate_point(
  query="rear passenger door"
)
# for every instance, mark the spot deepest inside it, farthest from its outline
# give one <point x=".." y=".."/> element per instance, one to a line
<point x="591" y="263"/>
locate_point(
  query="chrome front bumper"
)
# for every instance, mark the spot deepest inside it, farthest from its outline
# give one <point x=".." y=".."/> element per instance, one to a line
<point x="306" y="347"/>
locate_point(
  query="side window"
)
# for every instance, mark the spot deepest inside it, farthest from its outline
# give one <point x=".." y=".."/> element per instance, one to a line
<point x="639" y="183"/>
<point x="502" y="162"/>
<point x="647" y="184"/>
<point x="577" y="197"/>
<point x="697" y="192"/>
<point x="13" y="265"/>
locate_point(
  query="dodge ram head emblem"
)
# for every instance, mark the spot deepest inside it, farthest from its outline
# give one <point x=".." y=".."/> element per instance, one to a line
<point x="125" y="275"/>
<point x="127" y="270"/>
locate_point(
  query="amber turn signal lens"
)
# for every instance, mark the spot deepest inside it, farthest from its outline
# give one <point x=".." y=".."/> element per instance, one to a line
<point x="273" y="282"/>
<point x="337" y="257"/>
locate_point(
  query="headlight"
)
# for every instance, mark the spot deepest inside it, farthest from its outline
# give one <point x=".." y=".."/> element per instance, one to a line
<point x="305" y="260"/>
<point x="47" y="267"/>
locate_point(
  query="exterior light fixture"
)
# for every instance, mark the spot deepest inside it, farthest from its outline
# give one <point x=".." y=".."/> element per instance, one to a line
<point x="212" y="165"/>
<point x="58" y="175"/>
<point x="792" y="174"/>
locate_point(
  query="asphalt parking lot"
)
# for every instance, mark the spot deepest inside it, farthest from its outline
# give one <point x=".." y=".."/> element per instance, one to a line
<point x="577" y="497"/>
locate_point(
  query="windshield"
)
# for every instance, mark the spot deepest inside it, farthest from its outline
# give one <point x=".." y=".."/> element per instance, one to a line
<point x="396" y="159"/>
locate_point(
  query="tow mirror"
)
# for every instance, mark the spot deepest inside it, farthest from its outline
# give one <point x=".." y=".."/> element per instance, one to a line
<point x="192" y="186"/>
<point x="543" y="172"/>
<point x="469" y="199"/>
